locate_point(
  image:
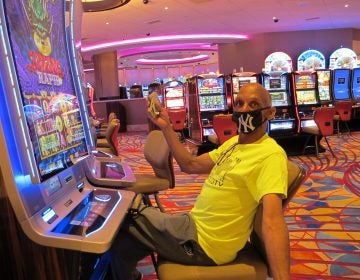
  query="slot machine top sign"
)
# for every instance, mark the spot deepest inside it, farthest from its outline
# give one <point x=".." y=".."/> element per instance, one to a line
<point x="310" y="60"/>
<point x="278" y="62"/>
<point x="343" y="58"/>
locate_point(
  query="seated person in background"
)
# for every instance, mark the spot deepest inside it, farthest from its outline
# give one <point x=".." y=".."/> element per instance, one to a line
<point x="245" y="171"/>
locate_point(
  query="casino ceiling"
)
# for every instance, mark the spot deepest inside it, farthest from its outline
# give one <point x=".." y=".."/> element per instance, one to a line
<point x="173" y="30"/>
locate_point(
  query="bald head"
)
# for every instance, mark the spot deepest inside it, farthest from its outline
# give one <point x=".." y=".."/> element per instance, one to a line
<point x="255" y="89"/>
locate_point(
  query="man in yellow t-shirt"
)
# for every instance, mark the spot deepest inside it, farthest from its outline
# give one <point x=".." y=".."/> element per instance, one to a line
<point x="245" y="171"/>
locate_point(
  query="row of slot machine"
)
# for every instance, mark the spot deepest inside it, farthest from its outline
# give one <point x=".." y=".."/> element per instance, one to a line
<point x="295" y="94"/>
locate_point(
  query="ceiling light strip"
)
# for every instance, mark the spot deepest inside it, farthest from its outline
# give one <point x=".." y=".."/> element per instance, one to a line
<point x="163" y="38"/>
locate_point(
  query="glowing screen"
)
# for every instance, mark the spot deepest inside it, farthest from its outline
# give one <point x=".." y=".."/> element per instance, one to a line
<point x="355" y="83"/>
<point x="211" y="86"/>
<point x="341" y="86"/>
<point x="305" y="97"/>
<point x="37" y="37"/>
<point x="323" y="79"/>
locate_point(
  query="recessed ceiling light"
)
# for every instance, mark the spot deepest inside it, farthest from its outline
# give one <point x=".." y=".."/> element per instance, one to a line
<point x="346" y="5"/>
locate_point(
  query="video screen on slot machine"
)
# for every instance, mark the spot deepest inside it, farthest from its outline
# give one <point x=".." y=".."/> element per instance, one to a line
<point x="50" y="104"/>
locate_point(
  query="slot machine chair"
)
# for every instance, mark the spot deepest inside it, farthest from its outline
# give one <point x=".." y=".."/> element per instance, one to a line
<point x="251" y="262"/>
<point x="103" y="126"/>
<point x="178" y="120"/>
<point x="343" y="114"/>
<point x="157" y="153"/>
<point x="224" y="128"/>
<point x="324" y="120"/>
<point x="110" y="143"/>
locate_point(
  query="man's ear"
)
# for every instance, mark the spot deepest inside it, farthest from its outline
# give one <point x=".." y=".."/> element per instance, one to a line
<point x="271" y="114"/>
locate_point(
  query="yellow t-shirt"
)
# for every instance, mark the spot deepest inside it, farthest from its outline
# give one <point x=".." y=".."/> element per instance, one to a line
<point x="225" y="208"/>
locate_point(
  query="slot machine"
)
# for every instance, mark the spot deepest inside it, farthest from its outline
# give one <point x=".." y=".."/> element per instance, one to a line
<point x="341" y="84"/>
<point x="313" y="60"/>
<point x="305" y="96"/>
<point x="278" y="85"/>
<point x="55" y="185"/>
<point x="237" y="80"/>
<point x="355" y="85"/>
<point x="341" y="62"/>
<point x="207" y="97"/>
<point x="276" y="79"/>
<point x="324" y="90"/>
<point x="174" y="95"/>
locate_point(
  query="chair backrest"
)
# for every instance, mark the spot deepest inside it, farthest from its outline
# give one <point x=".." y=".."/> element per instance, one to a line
<point x="111" y="116"/>
<point x="324" y="119"/>
<point x="343" y="108"/>
<point x="177" y="118"/>
<point x="111" y="135"/>
<point x="224" y="127"/>
<point x="296" y="176"/>
<point x="158" y="155"/>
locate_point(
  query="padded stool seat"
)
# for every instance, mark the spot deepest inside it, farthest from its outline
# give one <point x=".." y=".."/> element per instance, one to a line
<point x="248" y="265"/>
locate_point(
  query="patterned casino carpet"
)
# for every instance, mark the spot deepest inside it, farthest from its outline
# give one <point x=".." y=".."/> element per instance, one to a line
<point x="323" y="218"/>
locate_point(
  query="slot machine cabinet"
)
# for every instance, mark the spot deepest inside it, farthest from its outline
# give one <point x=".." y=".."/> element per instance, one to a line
<point x="278" y="85"/>
<point x="305" y="96"/>
<point x="276" y="79"/>
<point x="323" y="86"/>
<point x="341" y="84"/>
<point x="174" y="95"/>
<point x="355" y="94"/>
<point x="237" y="80"/>
<point x="207" y="97"/>
<point x="355" y="85"/>
<point x="45" y="140"/>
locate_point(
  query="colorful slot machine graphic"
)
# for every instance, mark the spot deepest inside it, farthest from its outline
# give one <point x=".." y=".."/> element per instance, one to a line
<point x="324" y="86"/>
<point x="174" y="95"/>
<point x="207" y="96"/>
<point x="310" y="60"/>
<point x="276" y="79"/>
<point x="306" y="98"/>
<point x="341" y="62"/>
<point x="44" y="135"/>
<point x="313" y="60"/>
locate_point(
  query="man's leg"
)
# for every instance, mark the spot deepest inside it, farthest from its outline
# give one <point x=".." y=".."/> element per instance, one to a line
<point x="171" y="236"/>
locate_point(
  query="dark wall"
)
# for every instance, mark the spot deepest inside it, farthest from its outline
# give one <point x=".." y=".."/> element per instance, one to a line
<point x="251" y="54"/>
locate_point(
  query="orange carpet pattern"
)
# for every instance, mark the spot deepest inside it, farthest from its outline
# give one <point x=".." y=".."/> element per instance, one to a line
<point x="323" y="218"/>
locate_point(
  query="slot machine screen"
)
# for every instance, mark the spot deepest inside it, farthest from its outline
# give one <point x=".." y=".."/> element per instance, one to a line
<point x="323" y="79"/>
<point x="238" y="82"/>
<point x="275" y="84"/>
<point x="48" y="94"/>
<point x="306" y="97"/>
<point x="279" y="98"/>
<point x="175" y="103"/>
<point x="174" y="92"/>
<point x="341" y="84"/>
<point x="212" y="102"/>
<point x="211" y="86"/>
<point x="305" y="81"/>
<point x="355" y="84"/>
<point x="112" y="170"/>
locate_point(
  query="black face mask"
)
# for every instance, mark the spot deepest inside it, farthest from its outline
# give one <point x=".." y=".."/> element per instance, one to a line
<point x="248" y="121"/>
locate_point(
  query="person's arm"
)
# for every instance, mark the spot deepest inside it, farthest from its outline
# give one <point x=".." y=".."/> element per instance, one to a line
<point x="187" y="162"/>
<point x="276" y="237"/>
